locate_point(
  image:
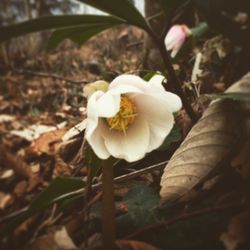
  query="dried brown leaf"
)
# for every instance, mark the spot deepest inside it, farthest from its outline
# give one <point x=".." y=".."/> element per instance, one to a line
<point x="47" y="142"/>
<point x="4" y="200"/>
<point x="14" y="162"/>
<point x="214" y="140"/>
<point x="58" y="240"/>
<point x="242" y="161"/>
<point x="134" y="245"/>
<point x="238" y="231"/>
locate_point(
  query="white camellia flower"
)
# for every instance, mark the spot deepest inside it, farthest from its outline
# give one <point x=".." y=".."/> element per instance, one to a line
<point x="130" y="119"/>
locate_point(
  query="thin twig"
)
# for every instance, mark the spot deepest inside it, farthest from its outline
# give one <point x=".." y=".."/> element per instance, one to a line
<point x="116" y="180"/>
<point x="158" y="14"/>
<point x="134" y="44"/>
<point x="159" y="226"/>
<point x="47" y="75"/>
<point x="140" y="172"/>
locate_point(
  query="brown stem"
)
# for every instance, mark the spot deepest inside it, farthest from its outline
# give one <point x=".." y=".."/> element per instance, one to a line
<point x="108" y="207"/>
<point x="172" y="76"/>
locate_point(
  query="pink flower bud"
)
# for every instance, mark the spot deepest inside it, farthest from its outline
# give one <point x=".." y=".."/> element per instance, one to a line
<point x="176" y="37"/>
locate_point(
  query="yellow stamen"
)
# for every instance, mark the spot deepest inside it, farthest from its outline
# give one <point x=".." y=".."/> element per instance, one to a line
<point x="125" y="116"/>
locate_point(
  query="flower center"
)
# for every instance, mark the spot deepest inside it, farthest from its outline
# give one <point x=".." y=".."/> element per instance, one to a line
<point x="125" y="116"/>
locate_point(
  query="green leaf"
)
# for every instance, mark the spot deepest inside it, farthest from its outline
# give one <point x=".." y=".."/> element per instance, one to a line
<point x="236" y="96"/>
<point x="199" y="232"/>
<point x="174" y="136"/>
<point x="54" y="22"/>
<point x="60" y="189"/>
<point x="141" y="202"/>
<point x="120" y="8"/>
<point x="199" y="30"/>
<point x="78" y="34"/>
<point x="149" y="75"/>
<point x="170" y="6"/>
<point x="60" y="186"/>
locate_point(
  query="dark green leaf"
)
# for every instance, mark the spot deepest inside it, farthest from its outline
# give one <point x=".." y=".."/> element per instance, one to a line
<point x="141" y="202"/>
<point x="54" y="22"/>
<point x="201" y="232"/>
<point x="78" y="34"/>
<point x="60" y="186"/>
<point x="236" y="96"/>
<point x="120" y="8"/>
<point x="93" y="162"/>
<point x="199" y="30"/>
<point x="60" y="189"/>
<point x="69" y="201"/>
<point x="149" y="75"/>
<point x="190" y="232"/>
<point x="174" y="136"/>
<point x="170" y="6"/>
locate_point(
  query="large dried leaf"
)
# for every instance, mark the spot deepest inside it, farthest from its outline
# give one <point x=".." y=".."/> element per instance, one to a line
<point x="134" y="245"/>
<point x="58" y="240"/>
<point x="238" y="232"/>
<point x="215" y="139"/>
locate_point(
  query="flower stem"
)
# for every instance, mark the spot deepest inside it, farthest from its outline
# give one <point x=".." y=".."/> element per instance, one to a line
<point x="108" y="207"/>
<point x="172" y="76"/>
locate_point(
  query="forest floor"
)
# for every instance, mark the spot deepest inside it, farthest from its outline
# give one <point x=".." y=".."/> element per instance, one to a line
<point x="41" y="97"/>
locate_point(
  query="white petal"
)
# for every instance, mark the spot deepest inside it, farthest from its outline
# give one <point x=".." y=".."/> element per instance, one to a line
<point x="132" y="146"/>
<point x="135" y="84"/>
<point x="131" y="80"/>
<point x="108" y="104"/>
<point x="172" y="36"/>
<point x="156" y="81"/>
<point x="93" y="133"/>
<point x="175" y="39"/>
<point x="123" y="89"/>
<point x="174" y="52"/>
<point x="96" y="141"/>
<point x="158" y="116"/>
<point x="176" y="48"/>
<point x="170" y="42"/>
<point x="172" y="101"/>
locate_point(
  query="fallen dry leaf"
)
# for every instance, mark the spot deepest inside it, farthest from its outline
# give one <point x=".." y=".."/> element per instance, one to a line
<point x="242" y="161"/>
<point x="7" y="174"/>
<point x="4" y="200"/>
<point x="35" y="131"/>
<point x="14" y="162"/>
<point x="20" y="188"/>
<point x="213" y="140"/>
<point x="238" y="231"/>
<point x="63" y="240"/>
<point x="59" y="240"/>
<point x="134" y="245"/>
<point x="46" y="142"/>
<point x="6" y="118"/>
